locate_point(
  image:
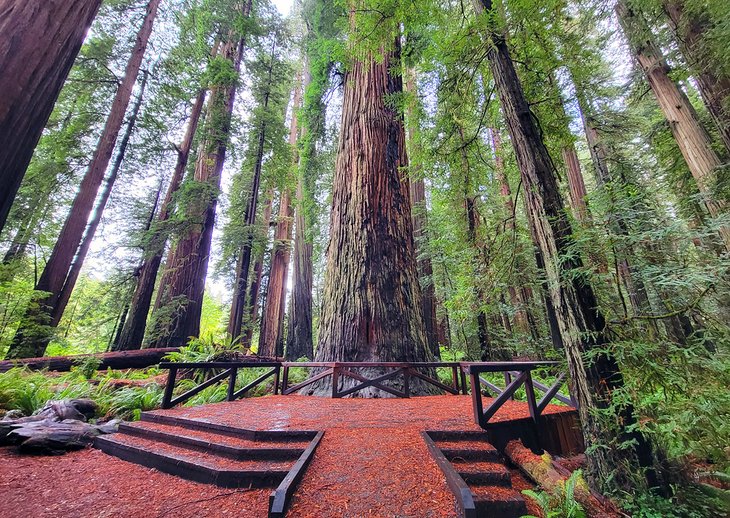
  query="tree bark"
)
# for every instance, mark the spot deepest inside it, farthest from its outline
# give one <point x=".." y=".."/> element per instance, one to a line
<point x="40" y="42"/>
<point x="581" y="323"/>
<point x="33" y="335"/>
<point x="185" y="273"/>
<point x="692" y="140"/>
<point x="690" y="29"/>
<point x="420" y="225"/>
<point x="371" y="308"/>
<point x="272" y="323"/>
<point x="133" y="331"/>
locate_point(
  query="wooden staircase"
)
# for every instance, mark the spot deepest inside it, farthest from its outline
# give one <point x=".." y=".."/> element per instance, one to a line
<point x="476" y="474"/>
<point x="216" y="454"/>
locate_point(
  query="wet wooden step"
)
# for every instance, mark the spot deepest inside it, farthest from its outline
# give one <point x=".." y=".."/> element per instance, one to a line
<point x="469" y="450"/>
<point x="498" y="501"/>
<point x="232" y="447"/>
<point x="232" y="431"/>
<point x="194" y="465"/>
<point x="483" y="473"/>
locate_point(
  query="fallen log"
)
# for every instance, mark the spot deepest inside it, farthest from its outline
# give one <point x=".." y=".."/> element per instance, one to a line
<point x="113" y="360"/>
<point x="542" y="470"/>
<point x="53" y="437"/>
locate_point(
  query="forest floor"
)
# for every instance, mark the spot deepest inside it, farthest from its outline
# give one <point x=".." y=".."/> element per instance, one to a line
<point x="372" y="461"/>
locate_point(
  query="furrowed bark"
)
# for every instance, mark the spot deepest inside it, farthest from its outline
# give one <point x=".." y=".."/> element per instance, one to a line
<point x="40" y="41"/>
<point x="33" y="335"/>
<point x="93" y="225"/>
<point x="371" y="308"/>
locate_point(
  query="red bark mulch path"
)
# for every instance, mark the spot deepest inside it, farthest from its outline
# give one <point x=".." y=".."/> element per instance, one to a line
<point x="372" y="461"/>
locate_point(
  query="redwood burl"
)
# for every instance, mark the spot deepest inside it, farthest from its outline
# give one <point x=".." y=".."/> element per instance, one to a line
<point x="371" y="309"/>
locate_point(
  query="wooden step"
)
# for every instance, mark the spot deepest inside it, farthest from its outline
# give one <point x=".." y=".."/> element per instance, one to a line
<point x="469" y="450"/>
<point x="232" y="447"/>
<point x="231" y="431"/>
<point x="498" y="502"/>
<point x="194" y="465"/>
<point x="483" y="473"/>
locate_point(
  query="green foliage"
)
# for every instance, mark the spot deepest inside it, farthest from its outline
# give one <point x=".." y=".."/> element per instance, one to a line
<point x="561" y="504"/>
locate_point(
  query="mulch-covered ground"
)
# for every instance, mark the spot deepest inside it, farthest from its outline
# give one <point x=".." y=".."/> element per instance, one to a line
<point x="372" y="461"/>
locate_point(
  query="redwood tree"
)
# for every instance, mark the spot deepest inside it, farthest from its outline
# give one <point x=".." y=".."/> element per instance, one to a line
<point x="692" y="139"/>
<point x="33" y="336"/>
<point x="40" y="41"/>
<point x="371" y="304"/>
<point x="580" y="322"/>
<point x="183" y="284"/>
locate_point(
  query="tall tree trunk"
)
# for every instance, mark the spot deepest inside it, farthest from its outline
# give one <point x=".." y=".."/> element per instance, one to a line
<point x="93" y="225"/>
<point x="581" y="323"/>
<point x="258" y="270"/>
<point x="420" y="224"/>
<point x="371" y="306"/>
<point x="690" y="29"/>
<point x="299" y="335"/>
<point x="133" y="330"/>
<point x="186" y="272"/>
<point x="272" y="323"/>
<point x="40" y="41"/>
<point x="692" y="140"/>
<point x="33" y="335"/>
<point x="243" y="265"/>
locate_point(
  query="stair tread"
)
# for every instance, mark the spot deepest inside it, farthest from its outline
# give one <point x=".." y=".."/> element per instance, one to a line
<point x="496" y="494"/>
<point x="219" y="439"/>
<point x="470" y="466"/>
<point x="466" y="445"/>
<point x="207" y="460"/>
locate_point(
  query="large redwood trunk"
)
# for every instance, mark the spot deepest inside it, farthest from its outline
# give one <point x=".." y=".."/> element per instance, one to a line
<point x="420" y="223"/>
<point x="371" y="309"/>
<point x="580" y="322"/>
<point x="272" y="323"/>
<point x="40" y="41"/>
<point x="183" y="284"/>
<point x="93" y="225"/>
<point x="692" y="140"/>
<point x="132" y="332"/>
<point x="691" y="31"/>
<point x="33" y="335"/>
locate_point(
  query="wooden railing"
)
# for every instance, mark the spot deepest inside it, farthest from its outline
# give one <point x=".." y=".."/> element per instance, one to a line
<point x="340" y="370"/>
<point x="516" y="374"/>
<point x="230" y="373"/>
